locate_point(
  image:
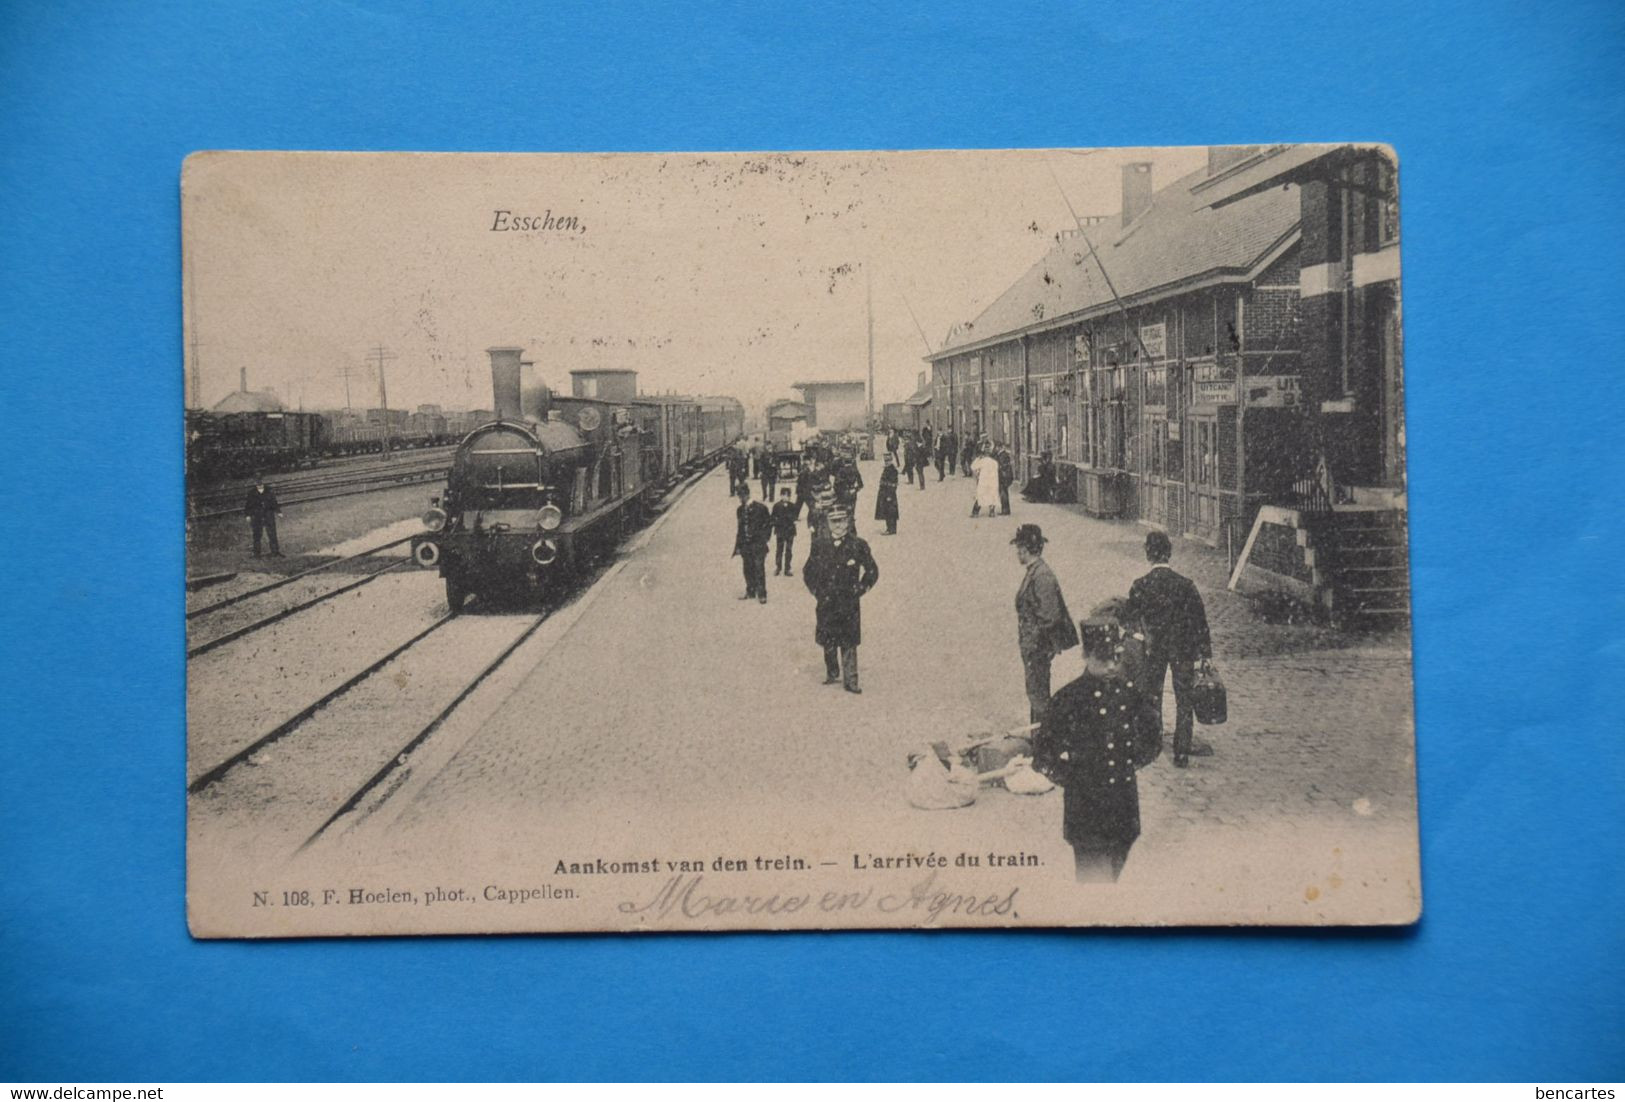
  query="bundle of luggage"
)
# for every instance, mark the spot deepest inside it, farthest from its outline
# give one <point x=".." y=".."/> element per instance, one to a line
<point x="943" y="777"/>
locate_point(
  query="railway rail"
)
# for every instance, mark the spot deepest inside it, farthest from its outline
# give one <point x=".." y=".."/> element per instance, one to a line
<point x="334" y="744"/>
<point x="215" y="504"/>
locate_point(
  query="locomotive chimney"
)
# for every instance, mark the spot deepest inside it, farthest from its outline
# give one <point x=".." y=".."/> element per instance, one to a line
<point x="505" y="372"/>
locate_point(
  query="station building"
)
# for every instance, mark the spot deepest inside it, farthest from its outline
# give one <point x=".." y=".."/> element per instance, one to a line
<point x="1229" y="344"/>
<point x="835" y="405"/>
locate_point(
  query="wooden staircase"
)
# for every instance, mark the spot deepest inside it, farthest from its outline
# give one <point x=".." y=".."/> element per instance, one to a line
<point x="1364" y="565"/>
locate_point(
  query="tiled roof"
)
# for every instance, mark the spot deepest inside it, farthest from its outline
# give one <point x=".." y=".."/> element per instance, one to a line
<point x="919" y="397"/>
<point x="1179" y="238"/>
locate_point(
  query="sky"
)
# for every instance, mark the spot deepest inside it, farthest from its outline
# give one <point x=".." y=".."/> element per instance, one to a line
<point x="734" y="273"/>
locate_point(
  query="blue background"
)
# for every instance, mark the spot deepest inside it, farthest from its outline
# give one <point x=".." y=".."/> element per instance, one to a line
<point x="1508" y="119"/>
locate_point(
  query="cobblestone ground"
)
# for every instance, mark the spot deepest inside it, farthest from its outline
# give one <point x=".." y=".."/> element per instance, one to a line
<point x="672" y="710"/>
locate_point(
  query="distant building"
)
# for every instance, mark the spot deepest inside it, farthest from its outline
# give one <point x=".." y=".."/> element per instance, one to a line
<point x="913" y="412"/>
<point x="835" y="405"/>
<point x="243" y="400"/>
<point x="785" y="412"/>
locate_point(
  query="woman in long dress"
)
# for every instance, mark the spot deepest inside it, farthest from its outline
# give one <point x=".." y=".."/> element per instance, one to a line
<point x="986" y="471"/>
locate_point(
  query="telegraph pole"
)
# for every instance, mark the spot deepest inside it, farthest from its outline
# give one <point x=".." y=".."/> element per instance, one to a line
<point x="345" y="371"/>
<point x="869" y="304"/>
<point x="381" y="355"/>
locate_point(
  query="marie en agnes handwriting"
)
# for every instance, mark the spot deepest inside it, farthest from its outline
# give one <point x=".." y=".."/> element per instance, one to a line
<point x="689" y="897"/>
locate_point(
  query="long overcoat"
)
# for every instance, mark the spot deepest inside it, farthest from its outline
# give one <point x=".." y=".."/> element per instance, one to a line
<point x="838" y="575"/>
<point x="1086" y="745"/>
<point x="886" y="496"/>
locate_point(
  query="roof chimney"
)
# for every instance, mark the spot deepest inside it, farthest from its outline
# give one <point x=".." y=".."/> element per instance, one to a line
<point x="242" y="379"/>
<point x="1136" y="190"/>
<point x="505" y="382"/>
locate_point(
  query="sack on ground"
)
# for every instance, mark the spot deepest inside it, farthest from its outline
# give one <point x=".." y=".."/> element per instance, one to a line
<point x="1024" y="780"/>
<point x="937" y="780"/>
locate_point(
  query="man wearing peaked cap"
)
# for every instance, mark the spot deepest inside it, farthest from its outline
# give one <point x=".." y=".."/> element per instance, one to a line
<point x="1097" y="731"/>
<point x="1043" y="624"/>
<point x="838" y="573"/>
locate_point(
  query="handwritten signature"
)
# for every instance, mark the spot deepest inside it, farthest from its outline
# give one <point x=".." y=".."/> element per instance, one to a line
<point x="682" y="896"/>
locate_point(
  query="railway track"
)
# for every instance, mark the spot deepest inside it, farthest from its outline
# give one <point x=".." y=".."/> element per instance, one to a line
<point x="216" y="504"/>
<point x="335" y="754"/>
<point x="227" y="614"/>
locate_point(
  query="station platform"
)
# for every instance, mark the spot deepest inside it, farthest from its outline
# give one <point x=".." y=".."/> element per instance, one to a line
<point x="674" y="718"/>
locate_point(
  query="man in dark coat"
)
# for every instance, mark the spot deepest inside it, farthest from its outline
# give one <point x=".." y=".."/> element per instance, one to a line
<point x="785" y="512"/>
<point x="922" y="459"/>
<point x="1007" y="475"/>
<point x="847" y="483"/>
<point x="950" y="443"/>
<point x="1043" y="624"/>
<point x="942" y="455"/>
<point x="1087" y="744"/>
<point x="886" y="497"/>
<point x="755" y="525"/>
<point x="967" y="455"/>
<point x="1174" y="621"/>
<point x="770" y="474"/>
<point x="838" y="574"/>
<point x="908" y="458"/>
<point x="261" y="509"/>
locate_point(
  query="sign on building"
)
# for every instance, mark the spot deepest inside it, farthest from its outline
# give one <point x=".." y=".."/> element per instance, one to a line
<point x="1272" y="391"/>
<point x="1155" y="340"/>
<point x="1213" y="392"/>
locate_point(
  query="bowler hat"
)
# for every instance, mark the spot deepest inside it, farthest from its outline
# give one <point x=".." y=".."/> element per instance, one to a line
<point x="1030" y="536"/>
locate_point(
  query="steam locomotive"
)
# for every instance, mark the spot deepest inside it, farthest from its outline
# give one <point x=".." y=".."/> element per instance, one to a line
<point x="554" y="479"/>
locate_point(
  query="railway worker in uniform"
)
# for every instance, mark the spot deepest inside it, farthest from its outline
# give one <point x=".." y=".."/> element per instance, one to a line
<point x="838" y="573"/>
<point x="785" y="512"/>
<point x="1043" y="625"/>
<point x="261" y="509"/>
<point x="886" y="497"/>
<point x="1087" y="745"/>
<point x="1169" y="609"/>
<point x="755" y="525"/>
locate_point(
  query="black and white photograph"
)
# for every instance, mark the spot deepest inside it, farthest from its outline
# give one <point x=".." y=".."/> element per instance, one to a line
<point x="717" y="541"/>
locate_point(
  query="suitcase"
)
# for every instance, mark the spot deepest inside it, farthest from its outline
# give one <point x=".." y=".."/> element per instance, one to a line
<point x="1208" y="697"/>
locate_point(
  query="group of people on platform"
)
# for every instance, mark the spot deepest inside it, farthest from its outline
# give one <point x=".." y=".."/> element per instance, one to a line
<point x="1096" y="731"/>
<point x="991" y="465"/>
<point x="1091" y="735"/>
<point x="839" y="569"/>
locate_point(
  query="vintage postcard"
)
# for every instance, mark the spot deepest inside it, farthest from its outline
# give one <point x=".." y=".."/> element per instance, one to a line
<point x="702" y="541"/>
